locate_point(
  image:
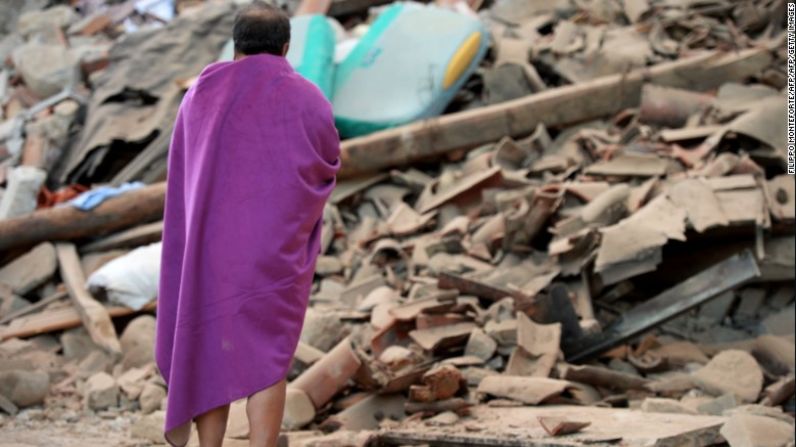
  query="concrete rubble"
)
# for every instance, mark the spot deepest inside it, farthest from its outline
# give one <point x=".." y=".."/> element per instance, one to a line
<point x="101" y="391"/>
<point x="594" y="244"/>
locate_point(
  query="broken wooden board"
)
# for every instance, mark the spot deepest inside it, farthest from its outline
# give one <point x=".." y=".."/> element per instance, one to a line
<point x="519" y="427"/>
<point x="93" y="314"/>
<point x="38" y="305"/>
<point x="554" y="107"/>
<point x="133" y="237"/>
<point x="690" y="293"/>
<point x="58" y="319"/>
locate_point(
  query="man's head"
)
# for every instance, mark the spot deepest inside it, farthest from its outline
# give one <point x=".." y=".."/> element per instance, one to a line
<point x="261" y="28"/>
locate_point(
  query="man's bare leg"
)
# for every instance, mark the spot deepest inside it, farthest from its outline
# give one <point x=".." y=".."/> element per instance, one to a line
<point x="211" y="426"/>
<point x="265" y="409"/>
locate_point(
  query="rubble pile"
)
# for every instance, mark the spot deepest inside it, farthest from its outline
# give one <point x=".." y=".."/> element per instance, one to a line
<point x="594" y="242"/>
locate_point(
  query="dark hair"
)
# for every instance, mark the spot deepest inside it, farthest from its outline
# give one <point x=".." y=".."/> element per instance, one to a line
<point x="260" y="28"/>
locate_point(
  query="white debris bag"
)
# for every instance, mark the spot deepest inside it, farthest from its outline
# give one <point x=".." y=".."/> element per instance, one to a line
<point x="130" y="280"/>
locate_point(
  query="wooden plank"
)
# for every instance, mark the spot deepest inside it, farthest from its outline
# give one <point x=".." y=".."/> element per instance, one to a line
<point x="696" y="290"/>
<point x="57" y="320"/>
<point x="94" y="316"/>
<point x="555" y="107"/>
<point x="133" y="237"/>
<point x="41" y="304"/>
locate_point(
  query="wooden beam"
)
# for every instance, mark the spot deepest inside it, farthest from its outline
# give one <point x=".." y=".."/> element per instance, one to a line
<point x="67" y="222"/>
<point x="555" y="107"/>
<point x="93" y="314"/>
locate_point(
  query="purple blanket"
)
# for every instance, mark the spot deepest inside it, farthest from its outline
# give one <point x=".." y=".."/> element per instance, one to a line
<point x="252" y="161"/>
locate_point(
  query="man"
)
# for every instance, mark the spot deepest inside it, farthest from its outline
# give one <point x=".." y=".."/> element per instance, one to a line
<point x="253" y="159"/>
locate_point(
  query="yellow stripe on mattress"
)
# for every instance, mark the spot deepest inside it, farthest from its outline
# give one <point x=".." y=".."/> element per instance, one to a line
<point x="461" y="59"/>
